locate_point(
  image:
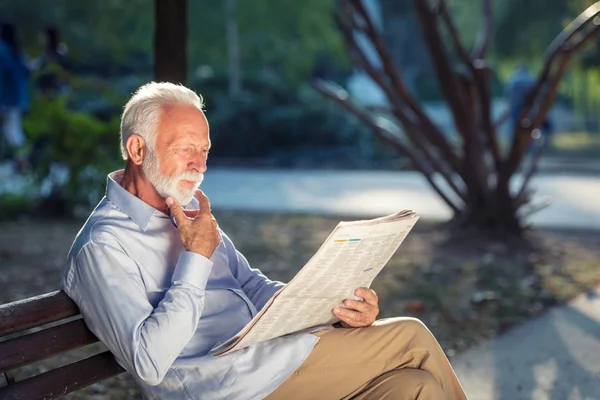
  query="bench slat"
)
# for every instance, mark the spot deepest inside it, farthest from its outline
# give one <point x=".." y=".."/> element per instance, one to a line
<point x="39" y="345"/>
<point x="67" y="379"/>
<point x="24" y="314"/>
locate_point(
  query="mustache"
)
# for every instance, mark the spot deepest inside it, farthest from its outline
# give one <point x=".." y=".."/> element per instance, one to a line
<point x="190" y="176"/>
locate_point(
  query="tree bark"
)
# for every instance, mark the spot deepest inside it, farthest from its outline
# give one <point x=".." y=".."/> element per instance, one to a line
<point x="170" y="40"/>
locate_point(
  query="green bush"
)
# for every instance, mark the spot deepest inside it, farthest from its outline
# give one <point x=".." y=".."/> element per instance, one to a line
<point x="270" y="119"/>
<point x="72" y="138"/>
<point x="14" y="204"/>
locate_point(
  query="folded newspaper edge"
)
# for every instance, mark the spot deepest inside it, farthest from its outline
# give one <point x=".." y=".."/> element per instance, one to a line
<point x="232" y="344"/>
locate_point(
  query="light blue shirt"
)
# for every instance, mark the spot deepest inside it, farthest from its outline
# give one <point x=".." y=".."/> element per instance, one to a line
<point x="161" y="310"/>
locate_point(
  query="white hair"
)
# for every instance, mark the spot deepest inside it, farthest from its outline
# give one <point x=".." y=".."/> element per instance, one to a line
<point x="142" y="111"/>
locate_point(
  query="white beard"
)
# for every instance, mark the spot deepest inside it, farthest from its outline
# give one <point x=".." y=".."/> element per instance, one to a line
<point x="166" y="186"/>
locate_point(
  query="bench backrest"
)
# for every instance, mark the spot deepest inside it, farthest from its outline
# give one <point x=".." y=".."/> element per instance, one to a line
<point x="20" y="346"/>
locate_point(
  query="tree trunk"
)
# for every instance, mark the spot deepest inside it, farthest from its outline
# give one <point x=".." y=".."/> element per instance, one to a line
<point x="170" y="41"/>
<point x="491" y="214"/>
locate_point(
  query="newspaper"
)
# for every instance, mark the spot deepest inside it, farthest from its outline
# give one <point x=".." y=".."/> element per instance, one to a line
<point x="351" y="257"/>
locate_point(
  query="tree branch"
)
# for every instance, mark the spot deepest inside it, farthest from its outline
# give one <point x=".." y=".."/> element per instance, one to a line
<point x="359" y="56"/>
<point x="484" y="38"/>
<point x="550" y="94"/>
<point x="435" y="136"/>
<point x="541" y="96"/>
<point x="482" y="83"/>
<point x="520" y="199"/>
<point x="447" y="79"/>
<point x="560" y="45"/>
<point x="461" y="51"/>
<point x="381" y="80"/>
<point x="534" y="209"/>
<point x="386" y="59"/>
<point x="390" y="138"/>
<point x="479" y="71"/>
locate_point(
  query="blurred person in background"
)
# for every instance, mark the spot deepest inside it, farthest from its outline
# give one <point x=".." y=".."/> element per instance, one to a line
<point x="51" y="80"/>
<point x="520" y="83"/>
<point x="52" y="65"/>
<point x="14" y="92"/>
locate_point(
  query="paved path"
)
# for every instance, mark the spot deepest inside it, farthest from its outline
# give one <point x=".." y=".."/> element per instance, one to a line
<point x="574" y="199"/>
<point x="554" y="357"/>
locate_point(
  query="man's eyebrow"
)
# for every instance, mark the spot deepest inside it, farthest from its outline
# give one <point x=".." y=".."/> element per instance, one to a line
<point x="195" y="143"/>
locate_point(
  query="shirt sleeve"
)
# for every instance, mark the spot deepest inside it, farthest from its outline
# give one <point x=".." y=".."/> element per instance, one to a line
<point x="257" y="286"/>
<point x="107" y="286"/>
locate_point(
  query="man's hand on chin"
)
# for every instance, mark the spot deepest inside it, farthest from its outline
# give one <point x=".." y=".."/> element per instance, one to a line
<point x="359" y="313"/>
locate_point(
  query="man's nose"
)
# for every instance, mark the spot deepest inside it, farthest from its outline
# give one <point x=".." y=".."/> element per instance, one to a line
<point x="199" y="162"/>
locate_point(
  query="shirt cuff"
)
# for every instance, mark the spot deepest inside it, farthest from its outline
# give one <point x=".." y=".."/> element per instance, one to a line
<point x="192" y="268"/>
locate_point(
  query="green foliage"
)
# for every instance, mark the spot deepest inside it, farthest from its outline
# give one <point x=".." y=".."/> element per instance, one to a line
<point x="524" y="29"/>
<point x="276" y="121"/>
<point x="589" y="57"/>
<point x="116" y="36"/>
<point x="283" y="36"/>
<point x="75" y="139"/>
<point x="105" y="34"/>
<point x="12" y="205"/>
<point x="575" y="145"/>
<point x="290" y="35"/>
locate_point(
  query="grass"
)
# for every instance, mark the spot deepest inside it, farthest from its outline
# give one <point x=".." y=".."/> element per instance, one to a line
<point x="575" y="144"/>
<point x="466" y="289"/>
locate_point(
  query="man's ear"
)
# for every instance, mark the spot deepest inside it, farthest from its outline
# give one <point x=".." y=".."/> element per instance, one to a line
<point x="136" y="149"/>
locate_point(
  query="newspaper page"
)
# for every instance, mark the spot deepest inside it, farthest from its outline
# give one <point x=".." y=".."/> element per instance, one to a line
<point x="351" y="257"/>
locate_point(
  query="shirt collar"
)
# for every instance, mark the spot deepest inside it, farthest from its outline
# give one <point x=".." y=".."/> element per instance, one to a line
<point x="136" y="209"/>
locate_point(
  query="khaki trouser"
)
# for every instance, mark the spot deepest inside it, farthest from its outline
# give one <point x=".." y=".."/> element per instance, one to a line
<point x="396" y="358"/>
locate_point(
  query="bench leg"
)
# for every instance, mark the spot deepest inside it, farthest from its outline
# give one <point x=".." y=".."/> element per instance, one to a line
<point x="10" y="379"/>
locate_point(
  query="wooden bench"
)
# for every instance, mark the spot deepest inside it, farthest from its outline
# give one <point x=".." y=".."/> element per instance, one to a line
<point x="20" y="345"/>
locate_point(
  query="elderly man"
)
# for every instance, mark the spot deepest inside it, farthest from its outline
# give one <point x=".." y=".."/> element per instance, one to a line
<point x="161" y="286"/>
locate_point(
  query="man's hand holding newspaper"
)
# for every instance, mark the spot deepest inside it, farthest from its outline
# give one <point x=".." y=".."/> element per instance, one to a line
<point x="359" y="313"/>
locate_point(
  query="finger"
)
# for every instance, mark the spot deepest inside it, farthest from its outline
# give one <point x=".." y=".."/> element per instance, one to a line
<point x="350" y="317"/>
<point x="357" y="305"/>
<point x="191" y="213"/>
<point x="203" y="202"/>
<point x="368" y="294"/>
<point x="348" y="322"/>
<point x="176" y="211"/>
